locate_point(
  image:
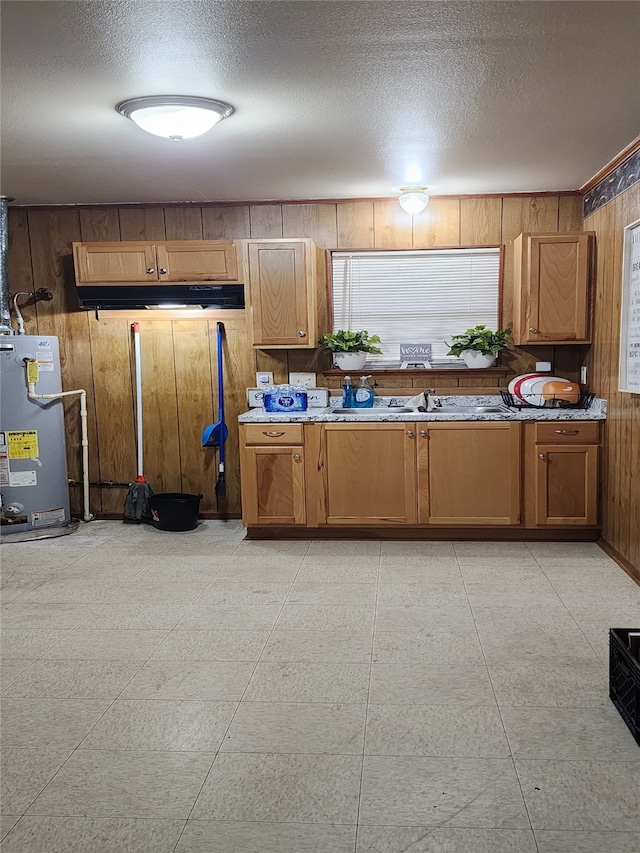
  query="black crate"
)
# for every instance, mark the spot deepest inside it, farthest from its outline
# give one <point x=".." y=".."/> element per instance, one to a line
<point x="624" y="679"/>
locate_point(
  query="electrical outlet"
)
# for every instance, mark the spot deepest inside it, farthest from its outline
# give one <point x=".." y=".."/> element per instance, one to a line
<point x="264" y="379"/>
<point x="307" y="380"/>
<point x="543" y="366"/>
<point x="583" y="375"/>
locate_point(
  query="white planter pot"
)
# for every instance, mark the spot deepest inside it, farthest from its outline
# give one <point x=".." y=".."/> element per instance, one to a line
<point x="349" y="360"/>
<point x="478" y="359"/>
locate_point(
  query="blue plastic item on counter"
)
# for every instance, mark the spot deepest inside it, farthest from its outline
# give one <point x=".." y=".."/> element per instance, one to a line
<point x="347" y="393"/>
<point x="285" y="398"/>
<point x="363" y="395"/>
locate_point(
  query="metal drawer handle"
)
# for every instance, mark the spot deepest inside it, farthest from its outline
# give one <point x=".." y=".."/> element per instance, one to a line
<point x="567" y="431"/>
<point x="533" y="329"/>
<point x="542" y="455"/>
<point x="150" y="270"/>
<point x="297" y="457"/>
<point x="410" y="433"/>
<point x="272" y="432"/>
<point x="162" y="271"/>
<point x="424" y="433"/>
<point x="302" y="334"/>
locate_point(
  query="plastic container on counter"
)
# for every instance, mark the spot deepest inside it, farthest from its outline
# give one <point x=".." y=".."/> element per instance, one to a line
<point x="285" y="398"/>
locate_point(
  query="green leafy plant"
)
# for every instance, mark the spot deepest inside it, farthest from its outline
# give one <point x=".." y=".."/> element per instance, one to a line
<point x="343" y="341"/>
<point x="479" y="339"/>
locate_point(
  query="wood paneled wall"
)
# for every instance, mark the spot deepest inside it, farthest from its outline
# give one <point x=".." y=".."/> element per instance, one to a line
<point x="179" y="357"/>
<point x="620" y="472"/>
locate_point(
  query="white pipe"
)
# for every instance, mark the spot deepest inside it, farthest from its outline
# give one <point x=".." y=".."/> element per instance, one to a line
<point x="17" y="311"/>
<point x="85" y="437"/>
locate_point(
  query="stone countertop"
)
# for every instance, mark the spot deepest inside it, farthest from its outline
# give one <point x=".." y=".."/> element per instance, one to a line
<point x="597" y="411"/>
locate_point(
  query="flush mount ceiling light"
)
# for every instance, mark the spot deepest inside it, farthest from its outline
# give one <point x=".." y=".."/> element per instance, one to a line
<point x="175" y="116"/>
<point x="413" y="199"/>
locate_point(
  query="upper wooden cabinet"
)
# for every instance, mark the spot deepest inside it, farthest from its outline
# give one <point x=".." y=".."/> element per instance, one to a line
<point x="552" y="288"/>
<point x="149" y="263"/>
<point x="282" y="277"/>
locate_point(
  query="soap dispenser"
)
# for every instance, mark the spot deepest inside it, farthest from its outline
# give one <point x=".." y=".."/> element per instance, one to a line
<point x="347" y="393"/>
<point x="364" y="394"/>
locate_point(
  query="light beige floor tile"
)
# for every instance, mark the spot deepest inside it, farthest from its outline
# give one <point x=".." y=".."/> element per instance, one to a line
<point x="302" y="727"/>
<point x="115" y="644"/>
<point x="341" y="549"/>
<point x="602" y="597"/>
<point x="28" y="645"/>
<point x="11" y="668"/>
<point x="48" y="723"/>
<point x="273" y="549"/>
<point x="214" y="549"/>
<point x="501" y="571"/>
<point x="527" y="591"/>
<point x="73" y="679"/>
<point x="341" y="570"/>
<point x="193" y="680"/>
<point x="294" y="617"/>
<point x="309" y="682"/>
<point x="196" y="644"/>
<point x="520" y="564"/>
<point x="438" y="730"/>
<point x="587" y="842"/>
<point x="531" y="685"/>
<point x="7" y="822"/>
<point x="394" y="549"/>
<point x="581" y="795"/>
<point x="328" y="593"/>
<point x="95" y="783"/>
<point x="183" y="726"/>
<point x="568" y="550"/>
<point x="462" y="792"/>
<point x="12" y="589"/>
<point x="160" y="591"/>
<point x="93" y="835"/>
<point x="445" y="569"/>
<point x="434" y="593"/>
<point x="24" y="774"/>
<point x="491" y="549"/>
<point x="231" y="592"/>
<point x="319" y="646"/>
<point x="247" y="571"/>
<point x="410" y="618"/>
<point x="422" y="839"/>
<point x="424" y="684"/>
<point x="427" y="647"/>
<point x="202" y="836"/>
<point x="72" y="590"/>
<point x="125" y="615"/>
<point x="281" y="788"/>
<point x="569" y="733"/>
<point x="246" y="617"/>
<point x="30" y="616"/>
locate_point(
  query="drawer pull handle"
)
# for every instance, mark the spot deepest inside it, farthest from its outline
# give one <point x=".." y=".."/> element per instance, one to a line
<point x="567" y="431"/>
<point x="150" y="270"/>
<point x="272" y="432"/>
<point x="162" y="271"/>
<point x="542" y="455"/>
<point x="424" y="433"/>
<point x="297" y="457"/>
<point x="302" y="334"/>
<point x="410" y="433"/>
<point x="533" y="330"/>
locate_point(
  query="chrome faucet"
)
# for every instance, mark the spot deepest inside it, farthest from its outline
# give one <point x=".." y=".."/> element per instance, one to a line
<point x="432" y="403"/>
<point x="393" y="402"/>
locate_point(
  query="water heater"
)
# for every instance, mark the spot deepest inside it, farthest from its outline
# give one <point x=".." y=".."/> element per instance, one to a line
<point x="33" y="460"/>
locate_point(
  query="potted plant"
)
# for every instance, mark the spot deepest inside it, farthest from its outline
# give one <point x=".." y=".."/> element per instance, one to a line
<point x="349" y="349"/>
<point x="479" y="346"/>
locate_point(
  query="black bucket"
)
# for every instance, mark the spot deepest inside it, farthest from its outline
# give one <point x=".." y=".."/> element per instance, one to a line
<point x="175" y="511"/>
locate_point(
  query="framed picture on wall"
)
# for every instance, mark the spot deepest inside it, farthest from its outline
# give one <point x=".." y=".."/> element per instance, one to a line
<point x="629" y="376"/>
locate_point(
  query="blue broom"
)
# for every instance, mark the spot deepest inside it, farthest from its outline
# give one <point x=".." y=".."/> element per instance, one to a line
<point x="216" y="434"/>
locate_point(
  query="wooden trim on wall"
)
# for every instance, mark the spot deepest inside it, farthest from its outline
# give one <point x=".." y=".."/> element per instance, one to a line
<point x="632" y="571"/>
<point x="631" y="148"/>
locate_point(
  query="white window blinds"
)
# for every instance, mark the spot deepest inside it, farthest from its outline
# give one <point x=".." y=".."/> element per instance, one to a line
<point x="415" y="296"/>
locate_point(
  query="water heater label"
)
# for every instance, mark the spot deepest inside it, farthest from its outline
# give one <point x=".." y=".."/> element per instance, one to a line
<point x="46" y="517"/>
<point x="45" y="360"/>
<point x="23" y="444"/>
<point x="23" y="478"/>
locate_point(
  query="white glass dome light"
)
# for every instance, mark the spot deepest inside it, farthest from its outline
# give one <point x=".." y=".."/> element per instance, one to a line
<point x="175" y="116"/>
<point x="413" y="199"/>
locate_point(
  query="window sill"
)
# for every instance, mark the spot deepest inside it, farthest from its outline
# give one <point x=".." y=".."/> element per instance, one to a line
<point x="421" y="371"/>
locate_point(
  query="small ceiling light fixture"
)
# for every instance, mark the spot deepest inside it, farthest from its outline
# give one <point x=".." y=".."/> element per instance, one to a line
<point x="175" y="116"/>
<point x="413" y="199"/>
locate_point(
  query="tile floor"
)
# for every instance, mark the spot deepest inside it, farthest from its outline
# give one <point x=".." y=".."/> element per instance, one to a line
<point x="197" y="693"/>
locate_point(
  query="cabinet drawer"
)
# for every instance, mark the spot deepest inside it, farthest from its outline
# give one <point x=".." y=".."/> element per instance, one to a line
<point x="568" y="432"/>
<point x="273" y="434"/>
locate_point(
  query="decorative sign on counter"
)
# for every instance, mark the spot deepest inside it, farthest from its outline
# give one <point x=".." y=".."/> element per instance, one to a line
<point x="630" y="311"/>
<point x="415" y="355"/>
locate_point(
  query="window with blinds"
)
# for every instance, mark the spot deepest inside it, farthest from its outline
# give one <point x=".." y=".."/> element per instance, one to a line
<point x="415" y="296"/>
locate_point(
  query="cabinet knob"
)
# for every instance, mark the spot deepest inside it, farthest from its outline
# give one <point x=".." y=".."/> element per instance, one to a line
<point x="542" y="455"/>
<point x="297" y="457"/>
<point x="162" y="271"/>
<point x="533" y="329"/>
<point x="410" y="433"/>
<point x="302" y="334"/>
<point x="150" y="270"/>
<point x="424" y="433"/>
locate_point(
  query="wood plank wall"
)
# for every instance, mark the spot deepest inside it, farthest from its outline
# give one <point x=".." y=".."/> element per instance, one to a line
<point x="179" y="357"/>
<point x="620" y="471"/>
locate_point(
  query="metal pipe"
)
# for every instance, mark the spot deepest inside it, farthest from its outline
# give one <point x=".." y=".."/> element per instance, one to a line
<point x="5" y="311"/>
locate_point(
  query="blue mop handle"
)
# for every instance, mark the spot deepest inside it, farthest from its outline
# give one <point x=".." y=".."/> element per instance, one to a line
<point x="219" y="328"/>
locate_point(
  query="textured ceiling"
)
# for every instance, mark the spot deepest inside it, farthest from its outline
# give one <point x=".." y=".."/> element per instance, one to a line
<point x="333" y="99"/>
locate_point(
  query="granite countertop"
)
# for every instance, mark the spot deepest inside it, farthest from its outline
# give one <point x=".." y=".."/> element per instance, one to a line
<point x="597" y="411"/>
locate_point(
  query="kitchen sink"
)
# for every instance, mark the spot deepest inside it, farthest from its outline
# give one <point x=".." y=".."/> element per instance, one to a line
<point x="466" y="410"/>
<point x="377" y="410"/>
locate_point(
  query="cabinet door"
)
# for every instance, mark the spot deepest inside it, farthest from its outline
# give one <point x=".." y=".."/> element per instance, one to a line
<point x="566" y="484"/>
<point x="368" y="474"/>
<point x="469" y="473"/>
<point x="197" y="260"/>
<point x="115" y="262"/>
<point x="273" y="488"/>
<point x="281" y="293"/>
<point x="552" y="288"/>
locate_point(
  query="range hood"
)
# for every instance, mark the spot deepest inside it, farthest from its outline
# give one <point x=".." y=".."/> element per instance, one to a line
<point x="119" y="297"/>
